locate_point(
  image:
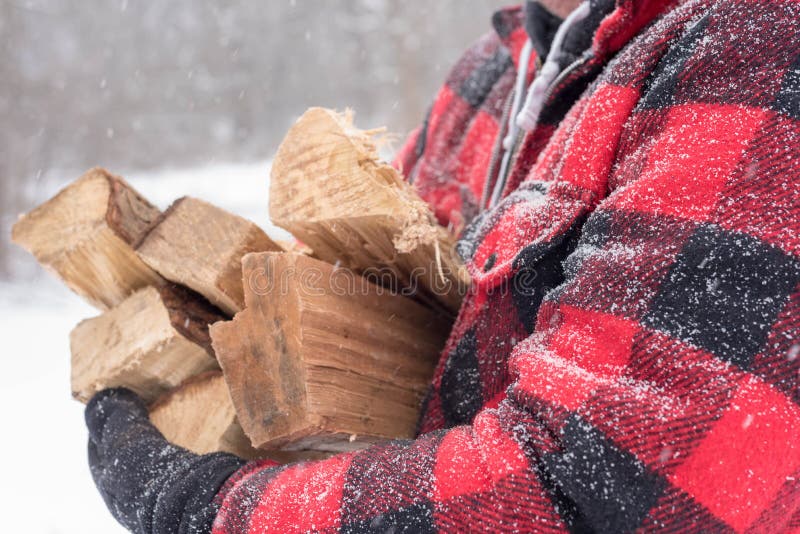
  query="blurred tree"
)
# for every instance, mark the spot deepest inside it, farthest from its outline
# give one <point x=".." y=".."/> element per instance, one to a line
<point x="131" y="84"/>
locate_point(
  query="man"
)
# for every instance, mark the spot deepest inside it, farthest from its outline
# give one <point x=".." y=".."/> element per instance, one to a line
<point x="631" y="177"/>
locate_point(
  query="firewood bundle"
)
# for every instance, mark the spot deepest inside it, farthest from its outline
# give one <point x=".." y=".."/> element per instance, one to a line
<point x="245" y="345"/>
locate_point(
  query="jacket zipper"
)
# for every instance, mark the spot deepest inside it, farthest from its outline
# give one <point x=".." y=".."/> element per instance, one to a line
<point x="497" y="149"/>
<point x="485" y="201"/>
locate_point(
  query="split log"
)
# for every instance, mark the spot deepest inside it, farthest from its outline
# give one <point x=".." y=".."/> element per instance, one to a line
<point x="201" y="246"/>
<point x="149" y="343"/>
<point x="330" y="190"/>
<point x="322" y="359"/>
<point x="84" y="235"/>
<point x="199" y="415"/>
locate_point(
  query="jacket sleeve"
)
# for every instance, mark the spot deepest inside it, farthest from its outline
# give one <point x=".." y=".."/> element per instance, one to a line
<point x="407" y="157"/>
<point x="659" y="388"/>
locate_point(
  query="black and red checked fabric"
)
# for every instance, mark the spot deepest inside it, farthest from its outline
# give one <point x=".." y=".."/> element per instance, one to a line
<point x="628" y="356"/>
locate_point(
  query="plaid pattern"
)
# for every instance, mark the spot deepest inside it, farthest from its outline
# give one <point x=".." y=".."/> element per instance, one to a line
<point x="448" y="157"/>
<point x="649" y="381"/>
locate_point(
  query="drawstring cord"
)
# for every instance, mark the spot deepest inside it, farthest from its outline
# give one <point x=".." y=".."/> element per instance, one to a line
<point x="527" y="116"/>
<point x="519" y="91"/>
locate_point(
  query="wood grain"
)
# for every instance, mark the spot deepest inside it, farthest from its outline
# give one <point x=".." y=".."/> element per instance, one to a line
<point x="151" y="342"/>
<point x="199" y="415"/>
<point x="330" y="190"/>
<point x="201" y="246"/>
<point x="322" y="359"/>
<point x="84" y="235"/>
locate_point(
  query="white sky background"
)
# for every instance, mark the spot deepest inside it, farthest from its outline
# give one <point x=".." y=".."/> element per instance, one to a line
<point x="47" y="488"/>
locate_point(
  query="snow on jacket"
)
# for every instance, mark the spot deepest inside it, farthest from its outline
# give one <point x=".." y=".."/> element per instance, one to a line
<point x="627" y="357"/>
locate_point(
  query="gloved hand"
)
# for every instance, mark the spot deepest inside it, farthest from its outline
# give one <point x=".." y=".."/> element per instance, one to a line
<point x="148" y="484"/>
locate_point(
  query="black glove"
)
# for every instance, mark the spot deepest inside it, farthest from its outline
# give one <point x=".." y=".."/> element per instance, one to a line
<point x="148" y="484"/>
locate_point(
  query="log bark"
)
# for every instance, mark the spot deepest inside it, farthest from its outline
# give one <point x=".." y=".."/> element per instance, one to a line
<point x="150" y="343"/>
<point x="330" y="190"/>
<point x="322" y="359"/>
<point x="84" y="236"/>
<point x="201" y="246"/>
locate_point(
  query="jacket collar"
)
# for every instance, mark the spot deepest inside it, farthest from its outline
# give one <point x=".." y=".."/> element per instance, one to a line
<point x="541" y="26"/>
<point x="627" y="19"/>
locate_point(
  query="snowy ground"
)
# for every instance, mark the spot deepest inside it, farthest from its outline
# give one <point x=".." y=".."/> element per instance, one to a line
<point x="47" y="488"/>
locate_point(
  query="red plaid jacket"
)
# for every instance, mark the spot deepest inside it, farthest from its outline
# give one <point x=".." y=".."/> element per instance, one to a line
<point x="627" y="357"/>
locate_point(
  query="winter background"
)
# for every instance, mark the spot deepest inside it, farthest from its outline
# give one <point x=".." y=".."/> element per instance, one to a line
<point x="185" y="97"/>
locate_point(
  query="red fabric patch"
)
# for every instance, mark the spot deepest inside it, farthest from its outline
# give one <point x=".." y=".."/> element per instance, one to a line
<point x="594" y="141"/>
<point x="440" y="108"/>
<point x="598" y="342"/>
<point x="762" y="199"/>
<point x="546" y="377"/>
<point x="745" y="459"/>
<point x="503" y="455"/>
<point x="474" y="159"/>
<point x="446" y="204"/>
<point x="516" y="40"/>
<point x="627" y="19"/>
<point x="459" y="466"/>
<point x="303" y="498"/>
<point x="495" y="401"/>
<point x="671" y="395"/>
<point x="690" y="163"/>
